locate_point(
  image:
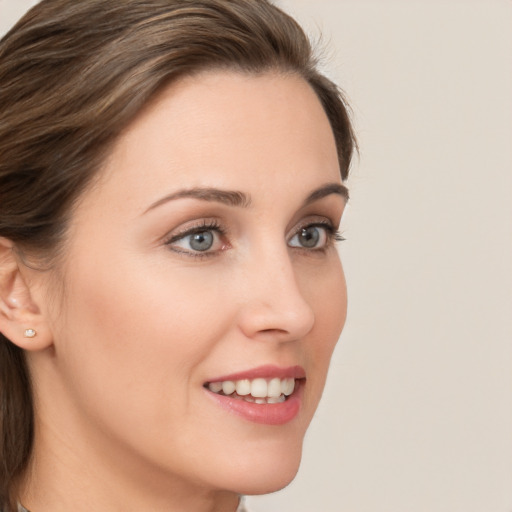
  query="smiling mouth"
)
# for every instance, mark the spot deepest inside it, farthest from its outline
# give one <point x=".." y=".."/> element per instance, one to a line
<point x="258" y="391"/>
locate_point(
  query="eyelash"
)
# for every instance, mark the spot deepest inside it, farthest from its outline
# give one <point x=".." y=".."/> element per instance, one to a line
<point x="333" y="236"/>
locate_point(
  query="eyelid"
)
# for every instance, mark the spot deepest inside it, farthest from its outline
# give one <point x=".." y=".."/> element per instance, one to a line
<point x="193" y="227"/>
<point x="314" y="220"/>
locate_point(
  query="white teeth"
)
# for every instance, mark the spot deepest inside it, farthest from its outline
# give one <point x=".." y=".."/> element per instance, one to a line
<point x="228" y="387"/>
<point x="274" y="388"/>
<point x="259" y="388"/>
<point x="216" y="387"/>
<point x="276" y="400"/>
<point x="243" y="387"/>
<point x="260" y="391"/>
<point x="287" y="386"/>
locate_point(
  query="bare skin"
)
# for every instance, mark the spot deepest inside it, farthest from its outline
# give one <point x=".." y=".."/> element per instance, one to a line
<point x="145" y="314"/>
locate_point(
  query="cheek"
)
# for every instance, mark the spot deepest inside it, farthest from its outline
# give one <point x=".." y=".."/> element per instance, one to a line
<point x="326" y="291"/>
<point x="134" y="335"/>
<point x="328" y="296"/>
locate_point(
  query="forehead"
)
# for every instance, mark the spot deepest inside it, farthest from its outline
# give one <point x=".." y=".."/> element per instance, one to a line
<point x="227" y="129"/>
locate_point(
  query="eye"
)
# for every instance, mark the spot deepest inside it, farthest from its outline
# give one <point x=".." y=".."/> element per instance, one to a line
<point x="205" y="239"/>
<point x="314" y="236"/>
<point x="201" y="241"/>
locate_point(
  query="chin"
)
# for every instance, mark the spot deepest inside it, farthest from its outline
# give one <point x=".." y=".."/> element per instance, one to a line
<point x="267" y="472"/>
<point x="268" y="485"/>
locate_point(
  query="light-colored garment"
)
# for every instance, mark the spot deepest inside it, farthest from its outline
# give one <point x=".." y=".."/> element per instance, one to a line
<point x="241" y="507"/>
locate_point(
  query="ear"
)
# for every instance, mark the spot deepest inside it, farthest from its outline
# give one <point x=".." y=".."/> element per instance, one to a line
<point x="18" y="312"/>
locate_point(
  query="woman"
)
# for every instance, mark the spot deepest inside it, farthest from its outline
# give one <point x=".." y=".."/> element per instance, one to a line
<point x="171" y="184"/>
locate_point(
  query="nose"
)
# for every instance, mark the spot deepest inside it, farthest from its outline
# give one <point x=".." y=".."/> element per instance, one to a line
<point x="274" y="305"/>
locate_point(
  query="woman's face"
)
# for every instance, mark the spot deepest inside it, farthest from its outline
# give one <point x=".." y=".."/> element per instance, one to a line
<point x="203" y="256"/>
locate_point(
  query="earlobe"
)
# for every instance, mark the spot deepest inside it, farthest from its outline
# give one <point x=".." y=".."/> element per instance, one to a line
<point x="21" y="320"/>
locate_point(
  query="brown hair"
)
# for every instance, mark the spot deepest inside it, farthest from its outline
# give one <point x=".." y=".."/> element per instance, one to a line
<point x="72" y="76"/>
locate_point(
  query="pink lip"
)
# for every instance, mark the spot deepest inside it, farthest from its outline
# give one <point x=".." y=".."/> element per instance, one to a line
<point x="265" y="372"/>
<point x="268" y="414"/>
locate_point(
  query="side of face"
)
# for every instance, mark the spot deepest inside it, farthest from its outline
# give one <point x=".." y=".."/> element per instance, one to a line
<point x="167" y="291"/>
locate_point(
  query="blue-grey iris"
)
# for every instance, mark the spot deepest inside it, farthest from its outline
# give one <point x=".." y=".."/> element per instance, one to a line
<point x="201" y="241"/>
<point x="309" y="237"/>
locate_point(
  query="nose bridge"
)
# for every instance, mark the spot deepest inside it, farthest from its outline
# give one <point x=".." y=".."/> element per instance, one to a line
<point x="275" y="305"/>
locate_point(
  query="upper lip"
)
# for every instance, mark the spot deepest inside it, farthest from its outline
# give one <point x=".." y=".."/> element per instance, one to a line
<point x="264" y="372"/>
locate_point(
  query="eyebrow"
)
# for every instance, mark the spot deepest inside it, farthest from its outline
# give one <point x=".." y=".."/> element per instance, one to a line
<point x="240" y="199"/>
<point x="229" y="197"/>
<point x="327" y="190"/>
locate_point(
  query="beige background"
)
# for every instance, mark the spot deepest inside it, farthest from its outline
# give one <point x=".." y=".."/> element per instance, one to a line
<point x="417" y="414"/>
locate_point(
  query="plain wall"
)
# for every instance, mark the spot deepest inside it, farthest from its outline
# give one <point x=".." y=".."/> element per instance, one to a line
<point x="417" y="413"/>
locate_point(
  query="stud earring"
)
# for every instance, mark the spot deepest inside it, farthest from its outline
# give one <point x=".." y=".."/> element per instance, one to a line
<point x="30" y="333"/>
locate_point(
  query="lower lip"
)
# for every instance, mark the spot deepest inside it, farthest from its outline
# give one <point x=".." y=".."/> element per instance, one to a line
<point x="267" y="414"/>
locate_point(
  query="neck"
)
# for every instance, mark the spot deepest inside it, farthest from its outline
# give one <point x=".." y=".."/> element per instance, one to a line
<point x="65" y="478"/>
<point x="78" y="464"/>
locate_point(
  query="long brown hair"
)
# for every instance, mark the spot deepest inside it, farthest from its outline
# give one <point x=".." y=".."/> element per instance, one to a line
<point x="73" y="74"/>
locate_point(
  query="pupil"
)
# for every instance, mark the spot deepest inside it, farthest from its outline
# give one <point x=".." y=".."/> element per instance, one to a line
<point x="202" y="241"/>
<point x="309" y="237"/>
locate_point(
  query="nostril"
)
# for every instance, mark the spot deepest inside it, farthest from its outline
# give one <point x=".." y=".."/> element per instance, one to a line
<point x="273" y="331"/>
